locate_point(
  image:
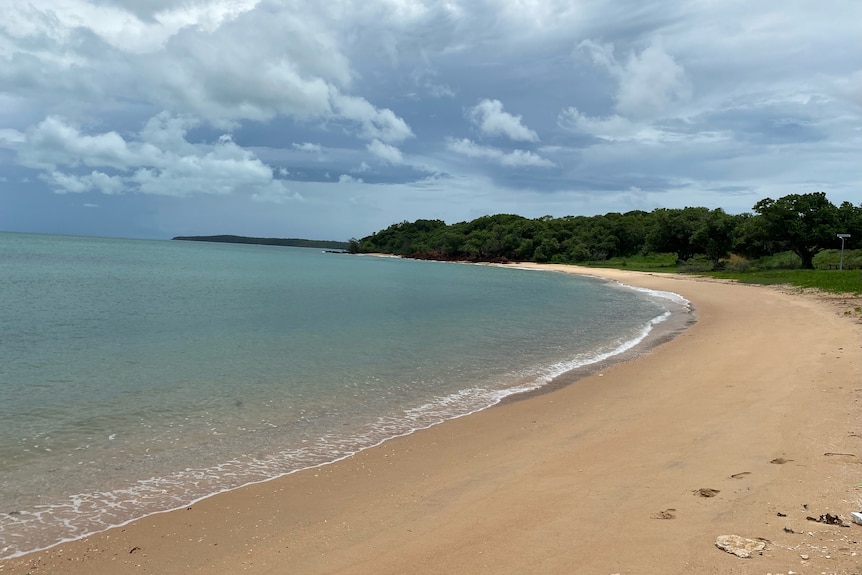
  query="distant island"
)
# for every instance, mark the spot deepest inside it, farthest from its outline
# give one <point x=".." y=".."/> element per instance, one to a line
<point x="293" y="242"/>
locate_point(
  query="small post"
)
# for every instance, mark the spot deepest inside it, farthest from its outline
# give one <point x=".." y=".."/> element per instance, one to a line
<point x="841" y="261"/>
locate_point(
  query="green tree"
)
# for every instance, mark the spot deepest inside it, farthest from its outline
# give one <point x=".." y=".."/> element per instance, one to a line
<point x="673" y="230"/>
<point x="850" y="222"/>
<point x="804" y="223"/>
<point x="714" y="237"/>
<point x="750" y="238"/>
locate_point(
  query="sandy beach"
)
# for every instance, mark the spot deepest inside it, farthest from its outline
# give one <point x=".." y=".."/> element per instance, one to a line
<point x="746" y="424"/>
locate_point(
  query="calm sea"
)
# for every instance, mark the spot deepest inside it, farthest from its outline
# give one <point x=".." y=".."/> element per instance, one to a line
<point x="139" y="376"/>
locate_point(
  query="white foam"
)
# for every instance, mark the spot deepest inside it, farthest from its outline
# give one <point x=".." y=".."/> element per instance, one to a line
<point x="87" y="513"/>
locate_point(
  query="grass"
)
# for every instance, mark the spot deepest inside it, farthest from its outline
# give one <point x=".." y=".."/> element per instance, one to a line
<point x="784" y="268"/>
<point x="641" y="263"/>
<point x="778" y="269"/>
<point x="834" y="281"/>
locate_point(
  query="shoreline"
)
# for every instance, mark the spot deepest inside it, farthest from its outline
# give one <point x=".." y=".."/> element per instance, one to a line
<point x="678" y="317"/>
<point x="683" y="317"/>
<point x="485" y="486"/>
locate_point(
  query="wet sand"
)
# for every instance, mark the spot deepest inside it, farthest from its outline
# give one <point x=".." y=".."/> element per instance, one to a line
<point x="759" y="405"/>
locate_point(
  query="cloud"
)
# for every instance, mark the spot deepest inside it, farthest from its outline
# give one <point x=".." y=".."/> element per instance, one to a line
<point x="308" y="147"/>
<point x="220" y="61"/>
<point x="613" y="127"/>
<point x="131" y="27"/>
<point x="489" y="117"/>
<point x="649" y="82"/>
<point x="440" y="91"/>
<point x="848" y="88"/>
<point x="54" y="142"/>
<point x="388" y="153"/>
<point x="348" y="179"/>
<point x="616" y="128"/>
<point x="276" y="193"/>
<point x="227" y="86"/>
<point x="513" y="159"/>
<point x="104" y="183"/>
<point x="376" y="124"/>
<point x="9" y="137"/>
<point x="63" y="183"/>
<point x="653" y="103"/>
<point x="167" y="132"/>
<point x="424" y="81"/>
<point x="158" y="161"/>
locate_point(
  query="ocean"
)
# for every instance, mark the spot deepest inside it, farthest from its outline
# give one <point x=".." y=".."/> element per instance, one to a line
<point x="138" y="376"/>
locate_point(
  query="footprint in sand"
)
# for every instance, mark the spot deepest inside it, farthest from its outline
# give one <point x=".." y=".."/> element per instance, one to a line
<point x="666" y="514"/>
<point x="706" y="492"/>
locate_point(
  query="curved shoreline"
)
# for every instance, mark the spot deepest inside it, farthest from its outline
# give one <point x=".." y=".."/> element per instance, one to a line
<point x="569" y="479"/>
<point x="660" y="329"/>
<point x="660" y="333"/>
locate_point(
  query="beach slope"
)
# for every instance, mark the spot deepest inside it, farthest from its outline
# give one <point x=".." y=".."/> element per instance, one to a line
<point x="747" y="423"/>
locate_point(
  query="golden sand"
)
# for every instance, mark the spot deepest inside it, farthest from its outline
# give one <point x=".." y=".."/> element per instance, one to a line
<point x="746" y="424"/>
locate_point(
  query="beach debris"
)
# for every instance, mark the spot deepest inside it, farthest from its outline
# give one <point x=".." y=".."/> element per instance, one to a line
<point x="804" y="557"/>
<point x="706" y="492"/>
<point x="135" y="548"/>
<point x="828" y="519"/>
<point x="780" y="461"/>
<point x="780" y="514"/>
<point x="856" y="517"/>
<point x="829" y="453"/>
<point x="740" y="546"/>
<point x="669" y="513"/>
<point x="789" y="530"/>
<point x="740" y="474"/>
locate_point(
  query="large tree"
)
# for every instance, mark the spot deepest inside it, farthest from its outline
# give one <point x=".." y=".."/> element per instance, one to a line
<point x="673" y="230"/>
<point x="714" y="237"/>
<point x="850" y="222"/>
<point x="805" y="223"/>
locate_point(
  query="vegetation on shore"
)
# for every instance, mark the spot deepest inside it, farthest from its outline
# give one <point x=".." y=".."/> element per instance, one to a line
<point x="783" y="241"/>
<point x="779" y="269"/>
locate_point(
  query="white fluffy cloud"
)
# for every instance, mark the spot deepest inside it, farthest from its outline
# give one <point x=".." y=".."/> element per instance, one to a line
<point x="650" y="82"/>
<point x="222" y="61"/>
<point x="615" y="128"/>
<point x="54" y="142"/>
<point x="376" y="124"/>
<point x="513" y="159"/>
<point x="385" y="152"/>
<point x="123" y="28"/>
<point x="159" y="160"/>
<point x="129" y="97"/>
<point x="95" y="180"/>
<point x="488" y="116"/>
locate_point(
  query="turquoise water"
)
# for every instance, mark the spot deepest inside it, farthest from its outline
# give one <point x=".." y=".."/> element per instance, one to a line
<point x="138" y="376"/>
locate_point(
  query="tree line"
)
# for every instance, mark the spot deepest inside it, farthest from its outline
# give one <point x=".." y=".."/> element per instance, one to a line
<point x="803" y="223"/>
<point x="291" y="242"/>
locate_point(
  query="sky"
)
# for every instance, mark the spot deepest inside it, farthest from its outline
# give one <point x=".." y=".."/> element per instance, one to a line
<point x="335" y="119"/>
